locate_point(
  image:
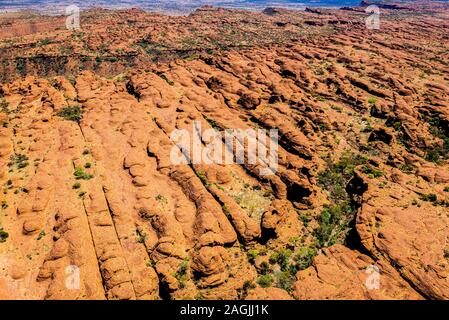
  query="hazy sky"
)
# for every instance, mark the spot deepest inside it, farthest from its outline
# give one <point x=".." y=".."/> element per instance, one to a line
<point x="56" y="5"/>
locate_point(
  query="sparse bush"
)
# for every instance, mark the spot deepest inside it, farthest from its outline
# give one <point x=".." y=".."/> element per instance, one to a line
<point x="226" y="211"/>
<point x="333" y="224"/>
<point x="281" y="257"/>
<point x="336" y="108"/>
<point x="181" y="275"/>
<point x="436" y="153"/>
<point x="406" y="168"/>
<point x="41" y="235"/>
<point x="45" y="42"/>
<point x="212" y="123"/>
<point x="372" y="172"/>
<point x="76" y="185"/>
<point x="164" y="77"/>
<point x="71" y="113"/>
<point x="367" y="128"/>
<point x="305" y="220"/>
<point x="264" y="268"/>
<point x="335" y="219"/>
<point x="252" y="255"/>
<point x="304" y="258"/>
<point x="141" y="236"/>
<point x="202" y="177"/>
<point x="446" y="189"/>
<point x="395" y="124"/>
<point x="80" y="174"/>
<point x="247" y="285"/>
<point x="4" y="106"/>
<point x="161" y="199"/>
<point x="3" y="235"/>
<point x="151" y="263"/>
<point x="372" y="100"/>
<point x="18" y="160"/>
<point x="88" y="165"/>
<point x="431" y="197"/>
<point x="338" y="174"/>
<point x="21" y="66"/>
<point x="284" y="280"/>
<point x="438" y="128"/>
<point x="265" y="281"/>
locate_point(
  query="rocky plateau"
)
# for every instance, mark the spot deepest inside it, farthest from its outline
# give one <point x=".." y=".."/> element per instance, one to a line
<point x="90" y="195"/>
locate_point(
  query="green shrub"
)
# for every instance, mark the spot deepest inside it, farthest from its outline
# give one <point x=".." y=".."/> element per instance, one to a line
<point x="285" y="280"/>
<point x="397" y="126"/>
<point x="338" y="174"/>
<point x="164" y="77"/>
<point x="71" y="113"/>
<point x="202" y="177"/>
<point x="248" y="285"/>
<point x="436" y="153"/>
<point x="161" y="199"/>
<point x="181" y="274"/>
<point x="438" y="128"/>
<point x="367" y="128"/>
<point x="406" y="168"/>
<point x="212" y="123"/>
<point x="336" y="108"/>
<point x="76" y="185"/>
<point x="305" y="219"/>
<point x="80" y="174"/>
<point x="4" y="106"/>
<point x="18" y="160"/>
<point x="265" y="281"/>
<point x="446" y="189"/>
<point x="431" y="197"/>
<point x="21" y="66"/>
<point x="226" y="211"/>
<point x="45" y="42"/>
<point x="281" y="258"/>
<point x="150" y="263"/>
<point x="141" y="236"/>
<point x="41" y="235"/>
<point x="334" y="224"/>
<point x="335" y="219"/>
<point x="252" y="255"/>
<point x="264" y="268"/>
<point x="3" y="235"/>
<point x="88" y="165"/>
<point x="372" y="172"/>
<point x="372" y="100"/>
<point x="304" y="258"/>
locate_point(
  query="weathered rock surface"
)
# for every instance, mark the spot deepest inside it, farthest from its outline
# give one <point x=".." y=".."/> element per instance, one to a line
<point x="94" y="207"/>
